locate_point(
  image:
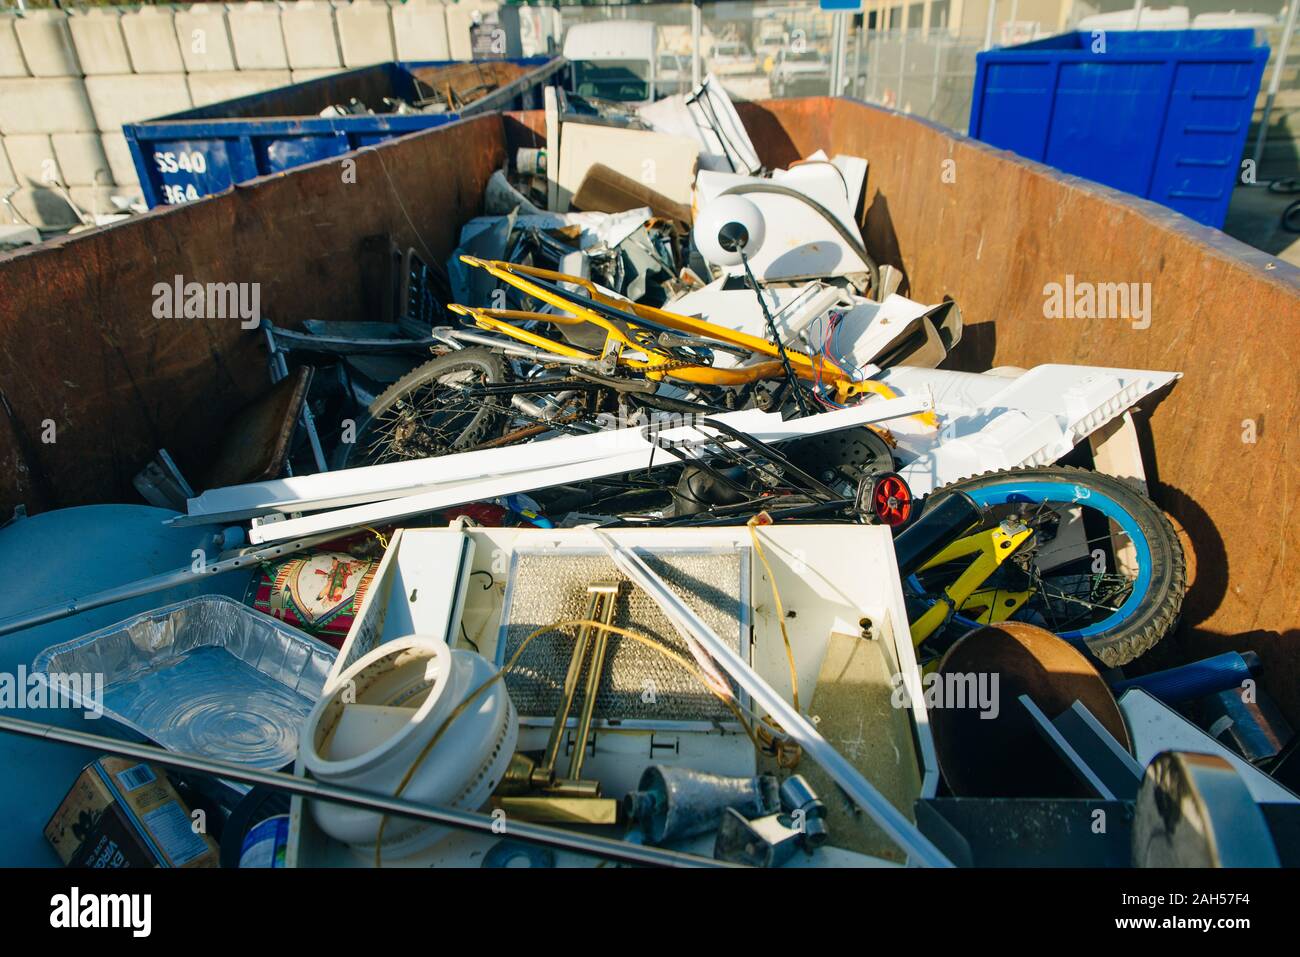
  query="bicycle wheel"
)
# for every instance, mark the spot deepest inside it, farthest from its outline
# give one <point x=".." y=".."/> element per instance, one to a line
<point x="1104" y="569"/>
<point x="1291" y="217"/>
<point x="428" y="412"/>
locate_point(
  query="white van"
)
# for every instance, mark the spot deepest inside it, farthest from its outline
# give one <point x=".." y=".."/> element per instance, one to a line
<point x="613" y="60"/>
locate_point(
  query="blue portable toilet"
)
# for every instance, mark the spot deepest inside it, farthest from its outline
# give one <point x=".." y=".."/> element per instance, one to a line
<point x="1162" y="114"/>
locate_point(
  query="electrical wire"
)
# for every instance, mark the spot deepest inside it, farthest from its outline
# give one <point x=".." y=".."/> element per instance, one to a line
<point x="852" y="242"/>
<point x="762" y="518"/>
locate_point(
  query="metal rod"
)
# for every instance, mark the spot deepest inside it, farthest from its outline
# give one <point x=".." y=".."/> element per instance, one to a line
<point x="696" y="31"/>
<point x="901" y="103"/>
<point x="156" y="583"/>
<point x="605" y="595"/>
<point x="837" y="28"/>
<point x="858" y="82"/>
<point x="893" y="822"/>
<point x="1275" y="83"/>
<point x="842" y="54"/>
<point x="459" y="336"/>
<point x="546" y="773"/>
<point x="397" y="807"/>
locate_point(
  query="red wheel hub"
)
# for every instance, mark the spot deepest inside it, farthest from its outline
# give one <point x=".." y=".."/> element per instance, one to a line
<point x="891" y="500"/>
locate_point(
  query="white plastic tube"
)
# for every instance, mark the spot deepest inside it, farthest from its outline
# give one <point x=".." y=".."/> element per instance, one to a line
<point x="460" y="771"/>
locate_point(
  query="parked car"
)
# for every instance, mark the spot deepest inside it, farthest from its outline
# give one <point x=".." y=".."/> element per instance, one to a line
<point x="613" y="60"/>
<point x="731" y="58"/>
<point x="673" y="74"/>
<point x="804" y="73"/>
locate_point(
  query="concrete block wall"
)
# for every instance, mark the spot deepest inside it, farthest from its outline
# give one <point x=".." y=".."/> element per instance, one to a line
<point x="206" y="88"/>
<point x="203" y="32"/>
<point x="81" y="159"/>
<point x="365" y="32"/>
<point x="47" y="43"/>
<point x="298" y="76"/>
<point x="31" y="157"/>
<point x="45" y="105"/>
<point x="151" y="38"/>
<point x="12" y="62"/>
<point x="99" y="41"/>
<point x="258" y="36"/>
<point x="460" y="18"/>
<point x="420" y="31"/>
<point x="310" y="35"/>
<point x="136" y="96"/>
<point x="120" y="163"/>
<point x="69" y="80"/>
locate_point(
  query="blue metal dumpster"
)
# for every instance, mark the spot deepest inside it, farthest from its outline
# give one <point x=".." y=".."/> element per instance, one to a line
<point x="185" y="156"/>
<point x="1159" y="113"/>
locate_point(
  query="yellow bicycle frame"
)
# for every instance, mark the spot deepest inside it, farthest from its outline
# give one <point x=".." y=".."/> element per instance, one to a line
<point x="657" y="365"/>
<point x="990" y="548"/>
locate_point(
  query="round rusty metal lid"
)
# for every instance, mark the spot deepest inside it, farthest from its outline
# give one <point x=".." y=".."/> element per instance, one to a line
<point x="1003" y="755"/>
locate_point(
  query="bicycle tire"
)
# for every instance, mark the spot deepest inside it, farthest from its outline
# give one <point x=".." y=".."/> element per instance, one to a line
<point x="487" y="422"/>
<point x="1151" y="610"/>
<point x="1291" y="217"/>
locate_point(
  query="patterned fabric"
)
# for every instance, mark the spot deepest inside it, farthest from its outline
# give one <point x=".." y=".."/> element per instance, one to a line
<point x="319" y="593"/>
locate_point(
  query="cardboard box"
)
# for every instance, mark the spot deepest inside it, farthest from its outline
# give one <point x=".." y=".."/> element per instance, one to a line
<point x="125" y="813"/>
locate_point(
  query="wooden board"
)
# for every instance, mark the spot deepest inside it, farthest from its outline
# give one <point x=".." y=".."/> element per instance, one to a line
<point x="664" y="163"/>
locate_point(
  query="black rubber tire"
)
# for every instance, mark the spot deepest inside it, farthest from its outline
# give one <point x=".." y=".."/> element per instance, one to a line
<point x="487" y="423"/>
<point x="1291" y="217"/>
<point x="1156" y="616"/>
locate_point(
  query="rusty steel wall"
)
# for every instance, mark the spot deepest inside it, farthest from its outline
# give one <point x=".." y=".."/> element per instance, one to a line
<point x="82" y="353"/>
<point x="992" y="230"/>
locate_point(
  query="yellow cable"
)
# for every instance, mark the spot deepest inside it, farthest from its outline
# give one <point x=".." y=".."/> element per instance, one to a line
<point x="762" y="518"/>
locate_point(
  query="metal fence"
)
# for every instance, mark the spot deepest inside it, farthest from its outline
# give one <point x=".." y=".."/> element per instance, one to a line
<point x="919" y="55"/>
<point x="929" y="73"/>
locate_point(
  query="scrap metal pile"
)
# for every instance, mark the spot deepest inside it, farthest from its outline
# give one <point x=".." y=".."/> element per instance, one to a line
<point x="663" y="453"/>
